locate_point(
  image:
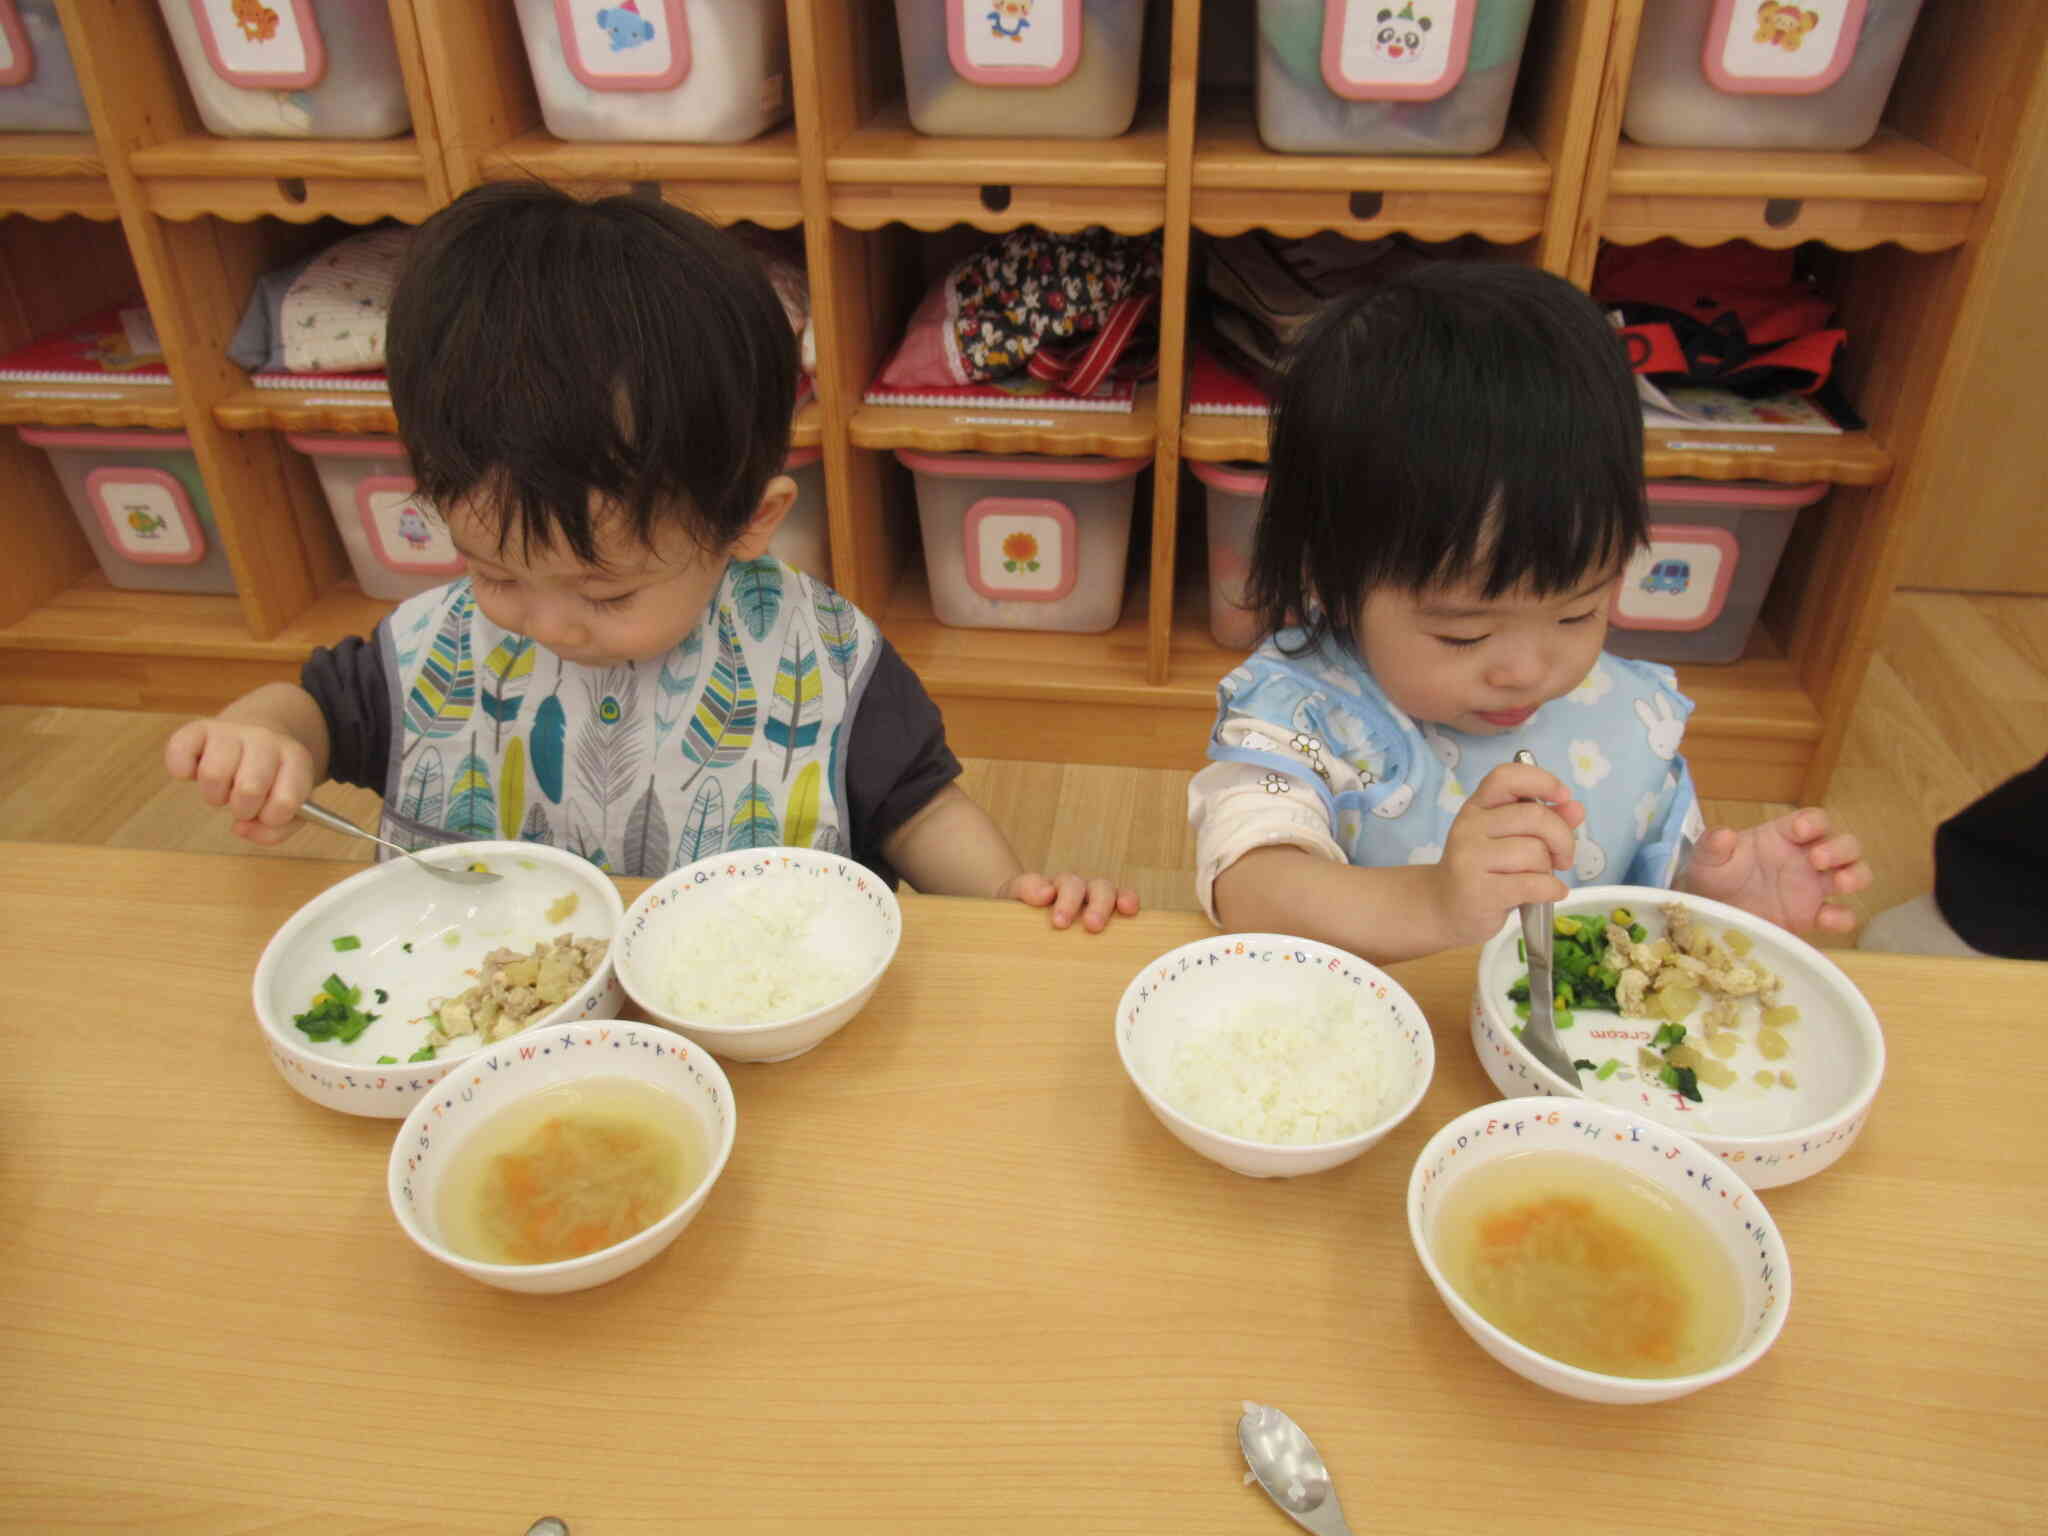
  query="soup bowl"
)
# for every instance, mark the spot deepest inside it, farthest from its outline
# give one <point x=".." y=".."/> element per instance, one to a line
<point x="397" y="930"/>
<point x="1683" y="1172"/>
<point x="693" y="1090"/>
<point x="1170" y="1052"/>
<point x="1770" y="1135"/>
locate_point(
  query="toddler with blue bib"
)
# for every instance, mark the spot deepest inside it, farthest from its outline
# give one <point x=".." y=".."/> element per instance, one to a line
<point x="1455" y="487"/>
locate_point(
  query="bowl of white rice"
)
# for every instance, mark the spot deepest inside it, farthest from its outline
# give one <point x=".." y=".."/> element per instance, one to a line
<point x="758" y="956"/>
<point x="1274" y="1056"/>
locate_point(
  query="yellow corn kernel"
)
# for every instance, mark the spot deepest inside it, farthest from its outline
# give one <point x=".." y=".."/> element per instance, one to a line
<point x="1771" y="1045"/>
<point x="1724" y="1043"/>
<point x="1766" y="1078"/>
<point x="1780" y="1016"/>
<point x="1786" y="1080"/>
<point x="1715" y="1075"/>
<point x="1685" y="1056"/>
<point x="1738" y="941"/>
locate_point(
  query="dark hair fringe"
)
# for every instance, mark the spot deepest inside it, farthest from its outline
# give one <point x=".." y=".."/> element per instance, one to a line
<point x="1465" y="421"/>
<point x="543" y="350"/>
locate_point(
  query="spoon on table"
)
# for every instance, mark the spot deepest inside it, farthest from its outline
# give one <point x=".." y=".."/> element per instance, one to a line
<point x="320" y="816"/>
<point x="1539" y="928"/>
<point x="1290" y="1469"/>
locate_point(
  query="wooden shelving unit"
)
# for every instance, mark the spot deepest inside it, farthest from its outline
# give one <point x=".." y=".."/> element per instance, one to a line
<point x="150" y="201"/>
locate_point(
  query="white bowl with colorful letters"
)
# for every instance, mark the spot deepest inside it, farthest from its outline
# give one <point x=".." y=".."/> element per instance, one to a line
<point x="1785" y="1100"/>
<point x="400" y="941"/>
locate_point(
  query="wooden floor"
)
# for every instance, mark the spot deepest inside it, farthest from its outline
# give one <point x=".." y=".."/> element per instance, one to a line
<point x="1956" y="702"/>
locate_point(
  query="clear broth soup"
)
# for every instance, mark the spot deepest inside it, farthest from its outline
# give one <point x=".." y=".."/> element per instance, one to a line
<point x="568" y="1171"/>
<point x="1590" y="1264"/>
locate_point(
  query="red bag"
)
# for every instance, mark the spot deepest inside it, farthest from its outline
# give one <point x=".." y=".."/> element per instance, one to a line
<point x="1735" y="316"/>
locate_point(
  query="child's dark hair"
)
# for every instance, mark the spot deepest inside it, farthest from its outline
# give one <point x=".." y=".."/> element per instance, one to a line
<point x="542" y="349"/>
<point x="1463" y="422"/>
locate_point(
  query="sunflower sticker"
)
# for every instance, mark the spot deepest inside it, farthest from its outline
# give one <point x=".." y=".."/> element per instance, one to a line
<point x="1020" y="549"/>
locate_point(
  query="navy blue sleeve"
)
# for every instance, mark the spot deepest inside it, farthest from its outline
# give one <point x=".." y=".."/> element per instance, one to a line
<point x="896" y="758"/>
<point x="347" y="682"/>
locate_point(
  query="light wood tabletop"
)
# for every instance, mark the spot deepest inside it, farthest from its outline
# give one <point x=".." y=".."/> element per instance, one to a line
<point x="954" y="1279"/>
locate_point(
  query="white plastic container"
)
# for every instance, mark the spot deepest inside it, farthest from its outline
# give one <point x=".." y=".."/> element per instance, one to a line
<point x="670" y="71"/>
<point x="396" y="544"/>
<point x="1388" y="77"/>
<point x="143" y="507"/>
<point x="291" y="69"/>
<point x="38" y="87"/>
<point x="1694" y="593"/>
<point x="1754" y="74"/>
<point x="802" y="540"/>
<point x="1027" y="542"/>
<point x="1021" y="68"/>
<point x="1235" y="492"/>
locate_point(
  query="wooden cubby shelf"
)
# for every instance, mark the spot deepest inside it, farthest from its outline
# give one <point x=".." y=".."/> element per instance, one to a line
<point x="49" y="175"/>
<point x="1899" y="234"/>
<point x="757" y="181"/>
<point x="1239" y="185"/>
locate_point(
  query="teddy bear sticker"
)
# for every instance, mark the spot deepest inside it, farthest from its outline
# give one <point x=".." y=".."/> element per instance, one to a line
<point x="1784" y="26"/>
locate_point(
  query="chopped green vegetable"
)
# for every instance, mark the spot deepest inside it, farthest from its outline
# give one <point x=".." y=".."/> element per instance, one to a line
<point x="347" y="942"/>
<point x="1519" y="992"/>
<point x="1667" y="1036"/>
<point x="406" y="946"/>
<point x="1582" y="1066"/>
<point x="1521" y="1009"/>
<point x="334" y="1013"/>
<point x="1562" y="1018"/>
<point x="383" y="996"/>
<point x="424" y="1053"/>
<point x="1608" y="1068"/>
<point x="1522" y="951"/>
<point x="387" y="1061"/>
<point x="1684" y="1079"/>
<point x="1637" y="933"/>
<point x="1621" y="917"/>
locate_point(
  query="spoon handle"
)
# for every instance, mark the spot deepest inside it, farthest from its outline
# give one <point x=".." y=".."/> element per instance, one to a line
<point x="321" y="816"/>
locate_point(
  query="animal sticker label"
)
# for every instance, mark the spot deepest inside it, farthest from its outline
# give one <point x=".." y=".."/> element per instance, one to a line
<point x="262" y="45"/>
<point x="1021" y="549"/>
<point x="403" y="536"/>
<point x="625" y="45"/>
<point x="1680" y="581"/>
<point x="1395" y="50"/>
<point x="17" y="53"/>
<point x="1764" y="47"/>
<point x="1014" y="42"/>
<point x="146" y="515"/>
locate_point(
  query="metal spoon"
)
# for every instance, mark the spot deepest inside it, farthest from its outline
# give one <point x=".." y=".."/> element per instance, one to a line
<point x="1539" y="928"/>
<point x="1290" y="1469"/>
<point x="319" y="815"/>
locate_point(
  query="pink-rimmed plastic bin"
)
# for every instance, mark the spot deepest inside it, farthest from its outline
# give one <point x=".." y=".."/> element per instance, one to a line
<point x="1026" y="542"/>
<point x="1742" y="74"/>
<point x="662" y="71"/>
<point x="398" y="547"/>
<point x="1693" y="595"/>
<point x="143" y="507"/>
<point x="802" y="540"/>
<point x="1021" y="68"/>
<point x="38" y="87"/>
<point x="1388" y="77"/>
<point x="1235" y="492"/>
<point x="291" y="69"/>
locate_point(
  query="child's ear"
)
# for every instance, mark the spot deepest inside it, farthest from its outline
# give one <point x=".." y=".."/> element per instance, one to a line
<point x="776" y="501"/>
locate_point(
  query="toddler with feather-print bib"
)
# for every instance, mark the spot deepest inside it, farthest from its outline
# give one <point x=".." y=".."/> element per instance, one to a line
<point x="1456" y="485"/>
<point x="596" y="397"/>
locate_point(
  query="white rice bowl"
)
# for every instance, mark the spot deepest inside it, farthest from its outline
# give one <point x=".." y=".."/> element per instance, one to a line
<point x="1274" y="1056"/>
<point x="759" y="956"/>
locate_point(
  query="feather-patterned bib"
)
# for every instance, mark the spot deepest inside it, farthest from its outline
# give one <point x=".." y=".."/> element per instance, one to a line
<point x="730" y="741"/>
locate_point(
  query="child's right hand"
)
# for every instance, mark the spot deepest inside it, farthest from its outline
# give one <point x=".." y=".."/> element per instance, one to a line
<point x="1517" y="828"/>
<point x="261" y="775"/>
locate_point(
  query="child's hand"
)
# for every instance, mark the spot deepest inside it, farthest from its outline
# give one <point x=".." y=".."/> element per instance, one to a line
<point x="1096" y="901"/>
<point x="1784" y="871"/>
<point x="261" y="775"/>
<point x="1514" y="831"/>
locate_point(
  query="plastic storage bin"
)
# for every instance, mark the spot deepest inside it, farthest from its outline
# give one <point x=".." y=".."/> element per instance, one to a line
<point x="1388" y="77"/>
<point x="1027" y="542"/>
<point x="139" y="498"/>
<point x="675" y="71"/>
<point x="1034" y="68"/>
<point x="397" y="546"/>
<point x="1694" y="593"/>
<point x="1754" y="74"/>
<point x="1234" y="495"/>
<point x="38" y="87"/>
<point x="802" y="540"/>
<point x="291" y="69"/>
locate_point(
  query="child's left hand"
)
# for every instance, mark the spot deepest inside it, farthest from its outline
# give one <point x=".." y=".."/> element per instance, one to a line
<point x="1094" y="901"/>
<point x="1784" y="871"/>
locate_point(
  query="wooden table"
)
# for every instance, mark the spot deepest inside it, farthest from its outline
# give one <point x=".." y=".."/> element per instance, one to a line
<point x="955" y="1279"/>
